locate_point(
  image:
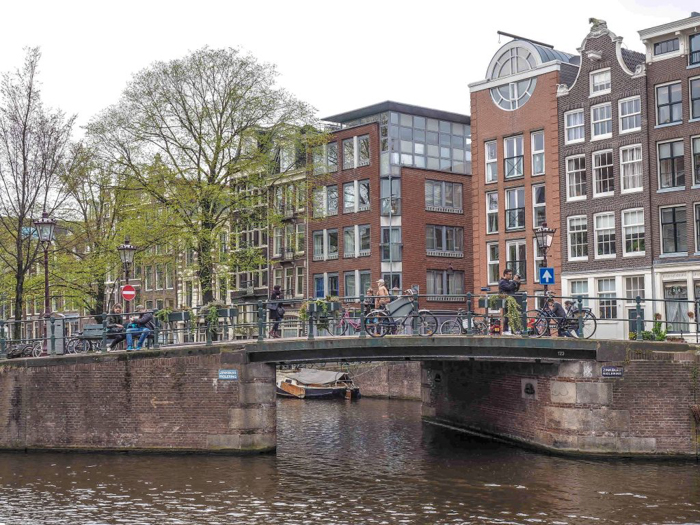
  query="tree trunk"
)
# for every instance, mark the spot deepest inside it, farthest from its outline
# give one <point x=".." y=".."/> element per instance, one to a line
<point x="19" y="300"/>
<point x="98" y="310"/>
<point x="205" y="269"/>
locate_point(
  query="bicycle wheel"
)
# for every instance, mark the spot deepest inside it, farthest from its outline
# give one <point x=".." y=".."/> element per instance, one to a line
<point x="427" y="324"/>
<point x="80" y="346"/>
<point x="538" y="323"/>
<point x="377" y="324"/>
<point x="590" y="324"/>
<point x="450" y="327"/>
<point x="37" y="349"/>
<point x="334" y="327"/>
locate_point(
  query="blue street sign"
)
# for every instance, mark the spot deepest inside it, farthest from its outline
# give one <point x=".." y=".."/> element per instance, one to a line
<point x="546" y="275"/>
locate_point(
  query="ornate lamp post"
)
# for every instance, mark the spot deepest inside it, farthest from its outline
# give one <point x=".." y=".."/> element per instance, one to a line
<point x="126" y="254"/>
<point x="544" y="236"/>
<point x="45" y="230"/>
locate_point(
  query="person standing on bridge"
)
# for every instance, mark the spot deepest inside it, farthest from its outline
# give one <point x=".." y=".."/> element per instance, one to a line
<point x="508" y="286"/>
<point x="382" y="295"/>
<point x="274" y="306"/>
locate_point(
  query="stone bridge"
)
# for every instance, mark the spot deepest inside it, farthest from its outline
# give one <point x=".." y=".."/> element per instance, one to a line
<point x="564" y="395"/>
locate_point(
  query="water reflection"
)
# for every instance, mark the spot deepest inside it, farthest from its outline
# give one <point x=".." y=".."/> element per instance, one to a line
<point x="371" y="461"/>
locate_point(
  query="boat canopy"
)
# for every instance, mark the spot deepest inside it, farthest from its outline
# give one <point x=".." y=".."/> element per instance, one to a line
<point x="309" y="376"/>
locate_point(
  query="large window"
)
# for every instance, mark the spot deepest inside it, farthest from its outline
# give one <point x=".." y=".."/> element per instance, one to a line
<point x="671" y="165"/>
<point x="513" y="160"/>
<point x="299" y="281"/>
<point x="363" y="153"/>
<point x="443" y="196"/>
<point x="333" y="285"/>
<point x="697" y="227"/>
<point x="390" y="198"/>
<point x="444" y="241"/>
<point x="516" y="257"/>
<point x="365" y="239"/>
<point x="694" y="52"/>
<point x="444" y="282"/>
<point x="538" y="153"/>
<point x="667" y="46"/>
<point x="634" y="287"/>
<point x="491" y="162"/>
<point x="578" y="238"/>
<point x="325" y="201"/>
<point x="604" y="224"/>
<point x="349" y="241"/>
<point x="348" y="197"/>
<point x="492" y="212"/>
<point x="633" y="231"/>
<point x="603" y="174"/>
<point x="277" y="235"/>
<point x="676" y="306"/>
<point x="355" y="196"/>
<point x="669" y="103"/>
<point x="325" y="244"/>
<point x="579" y="288"/>
<point x="576" y="178"/>
<point x="325" y="158"/>
<point x="606" y="303"/>
<point x="601" y="121"/>
<point x="630" y="110"/>
<point x="539" y="205"/>
<point x="539" y="259"/>
<point x="695" y="98"/>
<point x="515" y="209"/>
<point x="319" y="286"/>
<point x="631" y="168"/>
<point x="673" y="230"/>
<point x="348" y="153"/>
<point x="493" y="262"/>
<point x="391" y="244"/>
<point x="600" y="82"/>
<point x="574" y="126"/>
<point x="696" y="160"/>
<point x="513" y="95"/>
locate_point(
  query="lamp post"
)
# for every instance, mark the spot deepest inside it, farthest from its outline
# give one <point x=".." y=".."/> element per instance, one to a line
<point x="45" y="230"/>
<point x="544" y="236"/>
<point x="126" y="254"/>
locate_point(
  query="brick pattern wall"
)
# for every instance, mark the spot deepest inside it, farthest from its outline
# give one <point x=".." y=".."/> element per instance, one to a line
<point x="623" y="85"/>
<point x="167" y="400"/>
<point x="489" y="122"/>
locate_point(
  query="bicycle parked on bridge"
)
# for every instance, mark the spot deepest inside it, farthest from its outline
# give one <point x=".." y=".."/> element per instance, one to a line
<point x="400" y="316"/>
<point x="544" y="321"/>
<point x="481" y="324"/>
<point x="340" y="326"/>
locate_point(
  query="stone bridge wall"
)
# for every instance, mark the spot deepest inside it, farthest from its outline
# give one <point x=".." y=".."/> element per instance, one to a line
<point x="170" y="400"/>
<point x="571" y="407"/>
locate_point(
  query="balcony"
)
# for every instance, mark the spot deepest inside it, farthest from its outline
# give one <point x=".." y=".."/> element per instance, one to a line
<point x="515" y="219"/>
<point x="513" y="167"/>
<point x="390" y="206"/>
<point x="444" y="253"/>
<point x="288" y="254"/>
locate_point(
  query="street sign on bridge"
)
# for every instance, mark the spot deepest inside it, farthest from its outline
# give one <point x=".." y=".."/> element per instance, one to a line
<point x="546" y="275"/>
<point x="128" y="292"/>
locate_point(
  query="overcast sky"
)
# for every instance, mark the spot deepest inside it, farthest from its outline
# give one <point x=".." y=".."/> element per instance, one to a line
<point x="336" y="55"/>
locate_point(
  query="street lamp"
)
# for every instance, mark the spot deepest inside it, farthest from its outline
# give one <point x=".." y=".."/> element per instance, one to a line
<point x="126" y="254"/>
<point x="45" y="228"/>
<point x="544" y="236"/>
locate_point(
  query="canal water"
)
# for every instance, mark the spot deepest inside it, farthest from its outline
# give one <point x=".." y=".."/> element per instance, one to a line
<point x="371" y="461"/>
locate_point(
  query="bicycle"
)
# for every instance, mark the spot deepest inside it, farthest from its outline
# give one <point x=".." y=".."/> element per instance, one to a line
<point x="340" y="326"/>
<point x="543" y="321"/>
<point x="400" y="314"/>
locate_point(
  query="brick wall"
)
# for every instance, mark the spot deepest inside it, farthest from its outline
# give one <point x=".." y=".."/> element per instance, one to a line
<point x="570" y="407"/>
<point x="164" y="400"/>
<point x="399" y="380"/>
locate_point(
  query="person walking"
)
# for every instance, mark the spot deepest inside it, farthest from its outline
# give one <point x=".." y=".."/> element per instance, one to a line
<point x="508" y="286"/>
<point x="115" y="327"/>
<point x="142" y="325"/>
<point x="382" y="294"/>
<point x="276" y="311"/>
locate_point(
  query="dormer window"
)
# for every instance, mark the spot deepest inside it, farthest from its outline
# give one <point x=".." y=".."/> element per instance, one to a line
<point x="667" y="46"/>
<point x="694" y="53"/>
<point x="600" y="82"/>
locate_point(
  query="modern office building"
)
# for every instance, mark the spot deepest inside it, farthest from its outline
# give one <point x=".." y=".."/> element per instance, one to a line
<point x="515" y="152"/>
<point x="604" y="174"/>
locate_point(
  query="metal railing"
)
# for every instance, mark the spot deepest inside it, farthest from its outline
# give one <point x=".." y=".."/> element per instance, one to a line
<point x="513" y="167"/>
<point x="515" y="218"/>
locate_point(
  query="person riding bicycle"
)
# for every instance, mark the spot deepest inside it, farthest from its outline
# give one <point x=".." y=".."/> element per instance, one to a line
<point x="564" y="328"/>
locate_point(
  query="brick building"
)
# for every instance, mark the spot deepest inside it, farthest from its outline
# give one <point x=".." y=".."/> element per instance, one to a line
<point x="394" y="204"/>
<point x="604" y="179"/>
<point x="515" y="185"/>
<point x="673" y="106"/>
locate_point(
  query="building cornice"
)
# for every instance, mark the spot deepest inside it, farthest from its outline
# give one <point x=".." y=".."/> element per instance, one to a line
<point x="672" y="27"/>
<point x="548" y="67"/>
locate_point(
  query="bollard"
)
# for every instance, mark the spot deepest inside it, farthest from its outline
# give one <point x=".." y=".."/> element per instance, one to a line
<point x="415" y="319"/>
<point x="261" y="321"/>
<point x="470" y="329"/>
<point x="3" y="349"/>
<point x="363" y="332"/>
<point x="311" y="325"/>
<point x="156" y="333"/>
<point x="579" y="301"/>
<point x="523" y="316"/>
<point x="53" y="336"/>
<point x="638" y="313"/>
<point x="207" y="327"/>
<point x="103" y="343"/>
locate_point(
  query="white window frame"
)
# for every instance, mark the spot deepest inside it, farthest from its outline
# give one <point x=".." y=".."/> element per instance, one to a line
<point x="607" y="301"/>
<point x="594" y="122"/>
<point x="595" y="178"/>
<point x="534" y="152"/>
<point x="569" y="198"/>
<point x="535" y="205"/>
<point x="277" y="240"/>
<point x="516" y="140"/>
<point x="489" y="212"/>
<point x="622" y="168"/>
<point x="299" y="281"/>
<point x="489" y="160"/>
<point x="596" y="231"/>
<point x="643" y="289"/>
<point x="620" y="115"/>
<point x="536" y="258"/>
<point x="567" y="128"/>
<point x="568" y="237"/>
<point x="489" y="262"/>
<point x="623" y="228"/>
<point x="583" y="295"/>
<point x="592" y="75"/>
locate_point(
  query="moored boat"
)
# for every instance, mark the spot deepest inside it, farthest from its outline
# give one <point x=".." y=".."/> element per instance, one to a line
<point x="308" y="383"/>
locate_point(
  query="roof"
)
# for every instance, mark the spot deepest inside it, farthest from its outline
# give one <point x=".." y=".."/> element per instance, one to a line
<point x="632" y="58"/>
<point x="308" y="376"/>
<point x="677" y="25"/>
<point x="568" y="74"/>
<point x="548" y="54"/>
<point x="390" y="105"/>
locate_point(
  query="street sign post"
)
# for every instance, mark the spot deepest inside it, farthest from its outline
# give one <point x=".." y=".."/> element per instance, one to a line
<point x="547" y="276"/>
<point x="128" y="292"/>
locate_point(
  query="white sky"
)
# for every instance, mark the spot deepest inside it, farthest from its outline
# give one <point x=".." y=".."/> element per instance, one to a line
<point x="336" y="55"/>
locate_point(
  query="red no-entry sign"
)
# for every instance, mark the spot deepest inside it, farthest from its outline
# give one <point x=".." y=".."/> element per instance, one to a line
<point x="128" y="292"/>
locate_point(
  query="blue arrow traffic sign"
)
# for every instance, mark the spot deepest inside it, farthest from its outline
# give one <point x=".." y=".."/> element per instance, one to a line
<point x="546" y="275"/>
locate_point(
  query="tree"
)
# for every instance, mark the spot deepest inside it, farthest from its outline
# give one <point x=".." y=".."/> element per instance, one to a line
<point x="33" y="152"/>
<point x="193" y="130"/>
